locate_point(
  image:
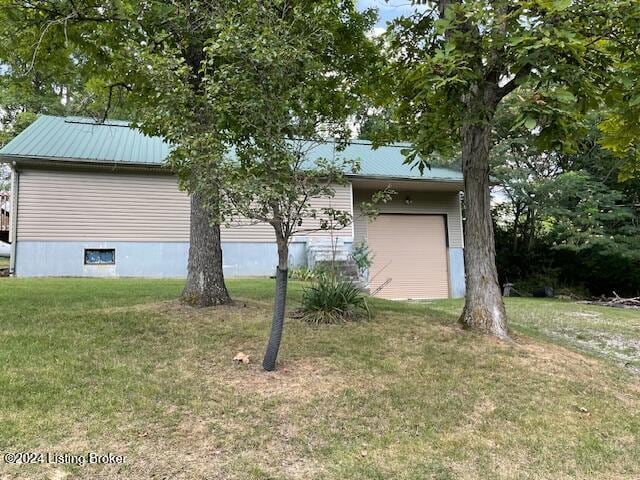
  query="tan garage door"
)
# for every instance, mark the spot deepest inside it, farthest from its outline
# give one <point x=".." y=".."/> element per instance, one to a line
<point x="409" y="256"/>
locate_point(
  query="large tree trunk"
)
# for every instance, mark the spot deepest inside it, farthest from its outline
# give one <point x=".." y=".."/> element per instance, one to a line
<point x="484" y="309"/>
<point x="279" y="305"/>
<point x="205" y="278"/>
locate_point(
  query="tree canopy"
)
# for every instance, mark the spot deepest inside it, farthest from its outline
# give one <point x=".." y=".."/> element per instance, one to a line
<point x="556" y="54"/>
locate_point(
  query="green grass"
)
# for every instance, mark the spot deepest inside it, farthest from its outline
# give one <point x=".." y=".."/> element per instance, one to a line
<point x="118" y="366"/>
<point x="609" y="333"/>
<point x="4" y="262"/>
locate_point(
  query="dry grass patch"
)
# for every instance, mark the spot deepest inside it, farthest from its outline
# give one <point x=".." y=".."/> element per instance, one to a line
<point x="294" y="381"/>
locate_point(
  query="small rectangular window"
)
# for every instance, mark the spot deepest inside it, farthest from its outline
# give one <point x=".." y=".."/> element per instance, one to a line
<point x="101" y="256"/>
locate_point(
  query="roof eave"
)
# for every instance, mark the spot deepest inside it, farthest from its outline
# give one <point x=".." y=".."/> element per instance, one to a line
<point x="404" y="179"/>
<point x="43" y="160"/>
<point x="77" y="162"/>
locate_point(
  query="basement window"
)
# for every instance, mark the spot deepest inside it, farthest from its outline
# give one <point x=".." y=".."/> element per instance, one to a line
<point x="100" y="256"/>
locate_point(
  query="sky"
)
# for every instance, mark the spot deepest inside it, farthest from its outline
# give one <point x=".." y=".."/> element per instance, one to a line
<point x="388" y="10"/>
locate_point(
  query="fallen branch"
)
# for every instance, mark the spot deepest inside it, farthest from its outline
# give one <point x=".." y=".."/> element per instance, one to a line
<point x="616" y="301"/>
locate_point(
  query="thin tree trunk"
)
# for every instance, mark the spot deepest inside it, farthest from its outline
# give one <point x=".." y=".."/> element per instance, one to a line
<point x="484" y="309"/>
<point x="516" y="227"/>
<point x="279" y="305"/>
<point x="532" y="229"/>
<point x="205" y="285"/>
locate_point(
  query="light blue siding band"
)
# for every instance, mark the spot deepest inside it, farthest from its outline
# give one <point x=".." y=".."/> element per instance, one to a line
<point x="133" y="259"/>
<point x="145" y="259"/>
<point x="456" y="272"/>
<point x="258" y="259"/>
<point x="167" y="259"/>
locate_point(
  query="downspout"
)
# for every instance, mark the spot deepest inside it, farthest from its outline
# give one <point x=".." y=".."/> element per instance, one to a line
<point x="353" y="214"/>
<point x="13" y="234"/>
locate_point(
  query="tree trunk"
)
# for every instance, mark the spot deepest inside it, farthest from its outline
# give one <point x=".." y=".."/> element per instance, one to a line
<point x="516" y="227"/>
<point x="279" y="305"/>
<point x="484" y="309"/>
<point x="205" y="278"/>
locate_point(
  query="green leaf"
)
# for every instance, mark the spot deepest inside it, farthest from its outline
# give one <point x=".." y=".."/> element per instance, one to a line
<point x="560" y="5"/>
<point x="565" y="96"/>
<point x="530" y="123"/>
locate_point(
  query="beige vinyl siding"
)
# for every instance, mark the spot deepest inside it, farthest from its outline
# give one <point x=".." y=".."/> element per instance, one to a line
<point x="409" y="256"/>
<point x="445" y="203"/>
<point x="105" y="206"/>
<point x="360" y="222"/>
<point x="250" y="231"/>
<point x="97" y="205"/>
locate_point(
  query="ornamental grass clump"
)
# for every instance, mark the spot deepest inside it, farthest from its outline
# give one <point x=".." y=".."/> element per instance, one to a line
<point x="330" y="300"/>
<point x="302" y="274"/>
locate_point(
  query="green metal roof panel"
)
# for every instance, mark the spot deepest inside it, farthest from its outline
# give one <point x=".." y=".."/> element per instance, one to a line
<point x="84" y="140"/>
<point x="383" y="162"/>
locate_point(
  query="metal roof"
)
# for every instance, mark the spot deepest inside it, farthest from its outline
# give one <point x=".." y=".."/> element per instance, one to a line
<point x="383" y="162"/>
<point x="84" y="140"/>
<point x="77" y="139"/>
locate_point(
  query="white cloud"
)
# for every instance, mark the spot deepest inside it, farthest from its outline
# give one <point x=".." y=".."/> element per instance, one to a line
<point x="376" y="32"/>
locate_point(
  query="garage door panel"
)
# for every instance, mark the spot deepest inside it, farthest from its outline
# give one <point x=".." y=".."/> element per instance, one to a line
<point x="409" y="256"/>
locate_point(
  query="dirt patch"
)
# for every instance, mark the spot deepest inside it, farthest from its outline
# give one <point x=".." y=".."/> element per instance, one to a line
<point x="532" y="353"/>
<point x="179" y="310"/>
<point x="621" y="349"/>
<point x="472" y="421"/>
<point x="549" y="353"/>
<point x="585" y="315"/>
<point x="201" y="458"/>
<point x="557" y="361"/>
<point x="298" y="380"/>
<point x="569" y="365"/>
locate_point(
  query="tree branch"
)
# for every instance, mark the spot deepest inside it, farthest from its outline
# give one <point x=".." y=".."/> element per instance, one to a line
<point x="111" y="88"/>
<point x="512" y="84"/>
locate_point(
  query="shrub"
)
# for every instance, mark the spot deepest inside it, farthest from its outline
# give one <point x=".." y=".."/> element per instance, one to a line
<point x="329" y="300"/>
<point x="302" y="274"/>
<point x="361" y="256"/>
<point x="324" y="268"/>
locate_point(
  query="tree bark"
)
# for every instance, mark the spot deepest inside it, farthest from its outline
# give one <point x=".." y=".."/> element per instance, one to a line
<point x="205" y="285"/>
<point x="279" y="305"/>
<point x="484" y="309"/>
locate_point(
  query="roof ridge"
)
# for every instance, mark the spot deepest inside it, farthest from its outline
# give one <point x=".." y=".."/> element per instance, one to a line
<point x="76" y="119"/>
<point x="100" y="124"/>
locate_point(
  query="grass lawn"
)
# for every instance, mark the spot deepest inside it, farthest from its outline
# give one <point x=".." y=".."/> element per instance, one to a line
<point x="4" y="262"/>
<point x="118" y="366"/>
<point x="609" y="333"/>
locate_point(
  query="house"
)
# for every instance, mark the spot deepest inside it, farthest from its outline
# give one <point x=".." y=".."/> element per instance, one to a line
<point x="96" y="200"/>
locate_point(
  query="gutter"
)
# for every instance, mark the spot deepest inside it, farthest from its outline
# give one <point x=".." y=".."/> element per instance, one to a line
<point x="13" y="234"/>
<point x="72" y="162"/>
<point x="403" y="179"/>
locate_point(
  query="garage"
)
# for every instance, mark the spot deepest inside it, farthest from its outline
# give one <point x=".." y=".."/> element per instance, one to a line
<point x="409" y="256"/>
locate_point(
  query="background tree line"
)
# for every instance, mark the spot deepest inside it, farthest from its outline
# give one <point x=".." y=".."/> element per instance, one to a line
<point x="568" y="220"/>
